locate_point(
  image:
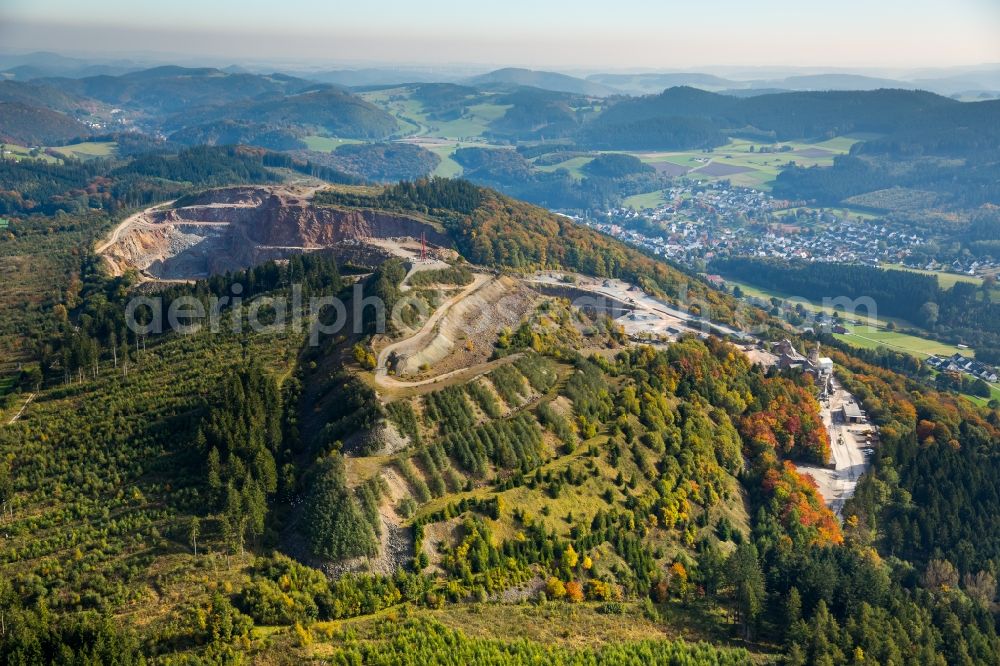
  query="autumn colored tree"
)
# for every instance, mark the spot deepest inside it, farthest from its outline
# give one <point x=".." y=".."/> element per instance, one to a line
<point x="554" y="588"/>
<point x="574" y="592"/>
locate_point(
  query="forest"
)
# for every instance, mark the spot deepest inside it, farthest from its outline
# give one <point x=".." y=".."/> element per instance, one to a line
<point x="221" y="496"/>
<point x="601" y="188"/>
<point x="376" y="162"/>
<point x="950" y="150"/>
<point x="37" y="187"/>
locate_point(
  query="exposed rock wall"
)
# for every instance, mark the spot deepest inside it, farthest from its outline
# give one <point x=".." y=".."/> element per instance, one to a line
<point x="231" y="228"/>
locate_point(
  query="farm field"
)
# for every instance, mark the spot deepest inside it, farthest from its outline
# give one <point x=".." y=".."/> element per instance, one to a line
<point x="472" y="124"/>
<point x="848" y="213"/>
<point x="844" y="142"/>
<point x="574" y="166"/>
<point x="403" y="108"/>
<point x="448" y="167"/>
<point x="945" y="280"/>
<point x="873" y="337"/>
<point x="983" y="402"/>
<point x="325" y="144"/>
<point x="645" y="200"/>
<point x="414" y="121"/>
<point x="867" y="337"/>
<point x="18" y="152"/>
<point x="444" y="149"/>
<point x="87" y="150"/>
<point x="735" y="162"/>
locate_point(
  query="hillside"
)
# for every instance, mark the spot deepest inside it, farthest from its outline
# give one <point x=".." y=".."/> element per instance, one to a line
<point x="238" y="227"/>
<point x="37" y="126"/>
<point x="493" y="230"/>
<point x="172" y="89"/>
<point x="327" y="109"/>
<point x="499" y="469"/>
<point x="834" y="82"/>
<point x="779" y="116"/>
<point x="41" y="64"/>
<point x="950" y="149"/>
<point x="53" y="99"/>
<point x="380" y="162"/>
<point x="211" y="106"/>
<point x="234" y="132"/>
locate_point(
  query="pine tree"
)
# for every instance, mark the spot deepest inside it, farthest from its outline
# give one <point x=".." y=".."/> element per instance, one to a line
<point x="194" y="530"/>
<point x="6" y="489"/>
<point x="793" y="607"/>
<point x="747" y="579"/>
<point x="335" y="525"/>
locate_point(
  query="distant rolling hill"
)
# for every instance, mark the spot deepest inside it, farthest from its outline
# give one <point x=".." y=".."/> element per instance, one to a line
<point x="170" y="89"/>
<point x="27" y="66"/>
<point x="651" y="83"/>
<point x="545" y="80"/>
<point x="681" y="118"/>
<point x="35" y="94"/>
<point x="361" y="78"/>
<point x="834" y="82"/>
<point x="221" y="106"/>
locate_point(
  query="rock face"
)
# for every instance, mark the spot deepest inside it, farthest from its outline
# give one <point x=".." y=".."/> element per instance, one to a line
<point x="500" y="303"/>
<point x="233" y="228"/>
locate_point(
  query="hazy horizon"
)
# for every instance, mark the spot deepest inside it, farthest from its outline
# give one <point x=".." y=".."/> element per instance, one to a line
<point x="586" y="35"/>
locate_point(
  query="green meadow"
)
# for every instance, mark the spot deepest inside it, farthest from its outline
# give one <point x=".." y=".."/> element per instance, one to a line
<point x="573" y="165"/>
<point x="867" y="337"/>
<point x="325" y="144"/>
<point x="20" y="152"/>
<point x="415" y="121"/>
<point x="945" y="280"/>
<point x="756" y="169"/>
<point x="645" y="200"/>
<point x="87" y="150"/>
<point x="448" y="167"/>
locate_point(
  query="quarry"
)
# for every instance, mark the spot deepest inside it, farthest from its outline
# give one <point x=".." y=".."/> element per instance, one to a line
<point x="232" y="228"/>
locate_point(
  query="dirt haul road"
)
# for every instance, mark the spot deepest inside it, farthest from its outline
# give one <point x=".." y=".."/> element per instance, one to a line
<point x="626" y="293"/>
<point x="125" y="224"/>
<point x="31" y="396"/>
<point x="421" y="338"/>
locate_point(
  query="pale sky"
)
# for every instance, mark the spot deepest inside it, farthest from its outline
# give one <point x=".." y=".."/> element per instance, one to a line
<point x="580" y="34"/>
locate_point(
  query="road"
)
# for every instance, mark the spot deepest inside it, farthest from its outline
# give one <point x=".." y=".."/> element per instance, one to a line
<point x="837" y="485"/>
<point x="424" y="335"/>
<point x="626" y="293"/>
<point x="31" y="396"/>
<point x="615" y="289"/>
<point x="117" y="232"/>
